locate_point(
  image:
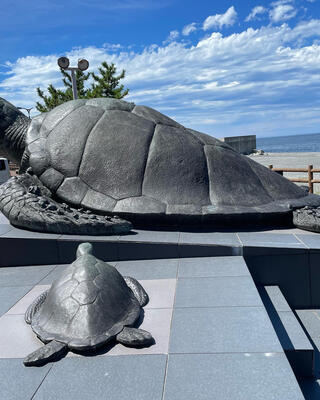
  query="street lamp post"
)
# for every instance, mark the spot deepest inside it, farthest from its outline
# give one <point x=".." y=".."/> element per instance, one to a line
<point x="27" y="109"/>
<point x="83" y="64"/>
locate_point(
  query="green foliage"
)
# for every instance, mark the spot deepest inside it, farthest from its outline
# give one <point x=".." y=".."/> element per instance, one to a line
<point x="105" y="84"/>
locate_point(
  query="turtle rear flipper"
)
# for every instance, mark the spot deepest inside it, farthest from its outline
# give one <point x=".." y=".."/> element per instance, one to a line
<point x="138" y="291"/>
<point x="50" y="352"/>
<point x="35" y="307"/>
<point x="135" y="337"/>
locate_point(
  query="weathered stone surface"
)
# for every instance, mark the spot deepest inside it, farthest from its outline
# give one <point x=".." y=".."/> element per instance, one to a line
<point x="307" y="218"/>
<point x="116" y="152"/>
<point x="273" y="183"/>
<point x="33" y="132"/>
<point x="28" y="205"/>
<point x="176" y="171"/>
<point x="37" y="146"/>
<point x="52" y="179"/>
<point x="83" y="315"/>
<point x="209" y="140"/>
<point x="98" y="201"/>
<point x="184" y="209"/>
<point x="126" y="158"/>
<point x="66" y="143"/>
<point x="155" y="116"/>
<point x="72" y="190"/>
<point x="140" y="205"/>
<point x="110" y="104"/>
<point x="55" y="116"/>
<point x="232" y="181"/>
<point x="39" y="162"/>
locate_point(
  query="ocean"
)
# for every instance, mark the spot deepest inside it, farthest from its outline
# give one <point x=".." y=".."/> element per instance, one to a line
<point x="290" y="144"/>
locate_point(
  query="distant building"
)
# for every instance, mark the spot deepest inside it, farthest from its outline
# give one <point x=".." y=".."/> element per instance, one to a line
<point x="243" y="144"/>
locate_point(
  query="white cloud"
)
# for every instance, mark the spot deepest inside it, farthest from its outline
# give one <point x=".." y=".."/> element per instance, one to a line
<point x="220" y="20"/>
<point x="173" y="35"/>
<point x="256" y="11"/>
<point x="280" y="2"/>
<point x="282" y="12"/>
<point x="262" y="81"/>
<point x="112" y="46"/>
<point x="189" y="28"/>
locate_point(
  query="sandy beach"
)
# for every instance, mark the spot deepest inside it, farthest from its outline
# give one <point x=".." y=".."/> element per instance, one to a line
<point x="291" y="160"/>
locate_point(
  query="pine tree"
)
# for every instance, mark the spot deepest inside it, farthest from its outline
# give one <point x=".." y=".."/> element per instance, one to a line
<point x="105" y="85"/>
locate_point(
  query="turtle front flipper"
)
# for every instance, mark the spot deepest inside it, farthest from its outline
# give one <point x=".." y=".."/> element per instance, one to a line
<point x="138" y="291"/>
<point x="135" y="337"/>
<point x="35" y="307"/>
<point x="50" y="352"/>
<point x="28" y="204"/>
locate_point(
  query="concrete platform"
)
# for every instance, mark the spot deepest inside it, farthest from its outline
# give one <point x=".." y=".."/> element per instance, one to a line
<point x="214" y="338"/>
<point x="212" y="335"/>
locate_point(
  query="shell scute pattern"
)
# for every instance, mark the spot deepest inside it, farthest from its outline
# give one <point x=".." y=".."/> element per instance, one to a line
<point x="88" y="273"/>
<point x="85" y="293"/>
<point x="135" y="161"/>
<point x="89" y="290"/>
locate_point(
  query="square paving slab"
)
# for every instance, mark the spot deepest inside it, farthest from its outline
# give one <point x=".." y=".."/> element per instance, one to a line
<point x="9" y="296"/>
<point x="222" y="330"/>
<point x="219" y="291"/>
<point x="22" y="276"/>
<point x="212" y="266"/>
<point x="149" y="269"/>
<point x="112" y="378"/>
<point x="18" y="382"/>
<point x="230" y="377"/>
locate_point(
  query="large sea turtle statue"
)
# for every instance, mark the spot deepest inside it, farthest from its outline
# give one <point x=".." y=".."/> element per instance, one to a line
<point x="87" y="307"/>
<point x="112" y="157"/>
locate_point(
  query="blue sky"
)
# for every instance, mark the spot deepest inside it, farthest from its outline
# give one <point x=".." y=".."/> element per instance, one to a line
<point x="233" y="68"/>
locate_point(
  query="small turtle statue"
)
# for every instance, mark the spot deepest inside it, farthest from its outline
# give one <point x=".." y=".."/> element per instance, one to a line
<point x="88" y="306"/>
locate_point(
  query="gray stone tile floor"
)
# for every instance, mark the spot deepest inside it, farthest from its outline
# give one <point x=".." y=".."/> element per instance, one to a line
<point x="171" y="240"/>
<point x="238" y="376"/>
<point x="214" y="339"/>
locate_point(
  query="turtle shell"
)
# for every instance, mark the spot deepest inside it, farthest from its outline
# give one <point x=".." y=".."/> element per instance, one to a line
<point x="112" y="156"/>
<point x="87" y="306"/>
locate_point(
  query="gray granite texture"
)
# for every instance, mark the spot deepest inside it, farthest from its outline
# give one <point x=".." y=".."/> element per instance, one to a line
<point x="207" y="351"/>
<point x="141" y="165"/>
<point x="238" y="376"/>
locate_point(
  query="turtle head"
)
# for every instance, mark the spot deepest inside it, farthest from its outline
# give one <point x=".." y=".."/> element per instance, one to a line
<point x="13" y="128"/>
<point x="84" y="248"/>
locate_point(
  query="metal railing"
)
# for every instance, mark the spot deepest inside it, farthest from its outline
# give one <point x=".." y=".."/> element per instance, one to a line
<point x="309" y="170"/>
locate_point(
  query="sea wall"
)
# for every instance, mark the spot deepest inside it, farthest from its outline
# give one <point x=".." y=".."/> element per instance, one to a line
<point x="243" y="144"/>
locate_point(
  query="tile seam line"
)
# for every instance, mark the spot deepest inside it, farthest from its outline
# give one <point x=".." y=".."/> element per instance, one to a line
<point x="240" y="241"/>
<point x="208" y="276"/>
<point x="299" y="240"/>
<point x="214" y="277"/>
<point x="165" y="377"/>
<point x="16" y="301"/>
<point x="173" y="307"/>
<point x="37" y="284"/>
<point x="212" y="307"/>
<point x="35" y="392"/>
<point x="215" y="307"/>
<point x="231" y="352"/>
